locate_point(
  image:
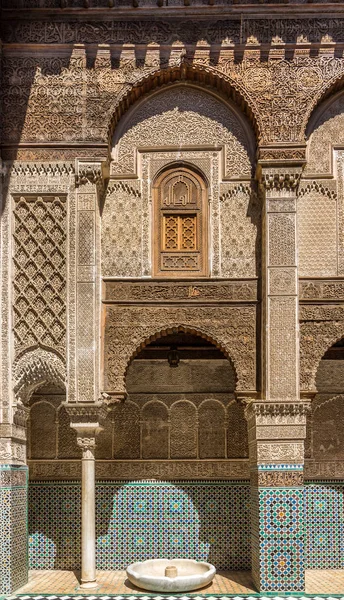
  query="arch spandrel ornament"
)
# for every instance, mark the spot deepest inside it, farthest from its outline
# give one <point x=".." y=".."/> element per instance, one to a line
<point x="129" y="329"/>
<point x="183" y="116"/>
<point x="320" y="328"/>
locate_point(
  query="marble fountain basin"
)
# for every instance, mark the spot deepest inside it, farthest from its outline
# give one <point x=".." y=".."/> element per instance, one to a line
<point x="177" y="575"/>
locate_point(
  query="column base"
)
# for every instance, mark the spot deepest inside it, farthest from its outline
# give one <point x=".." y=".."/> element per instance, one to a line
<point x="86" y="585"/>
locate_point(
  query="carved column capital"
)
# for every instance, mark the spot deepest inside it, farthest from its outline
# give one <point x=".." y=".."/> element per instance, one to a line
<point x="21" y="414"/>
<point x="87" y="445"/>
<point x="277" y="410"/>
<point x="87" y="420"/>
<point x="279" y="178"/>
<point x="94" y="171"/>
<point x="276" y="431"/>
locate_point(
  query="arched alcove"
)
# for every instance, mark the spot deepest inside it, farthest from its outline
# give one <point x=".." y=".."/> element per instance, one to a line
<point x="179" y="385"/>
<point x="180" y="116"/>
<point x="326" y="422"/>
<point x="324" y="131"/>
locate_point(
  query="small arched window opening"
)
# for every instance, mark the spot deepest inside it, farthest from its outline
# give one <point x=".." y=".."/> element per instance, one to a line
<point x="180" y="224"/>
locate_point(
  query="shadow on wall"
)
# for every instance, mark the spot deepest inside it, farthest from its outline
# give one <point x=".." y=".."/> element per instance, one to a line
<point x="141" y="520"/>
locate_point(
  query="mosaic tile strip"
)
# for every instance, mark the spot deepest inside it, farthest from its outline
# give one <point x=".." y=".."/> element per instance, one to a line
<point x="278" y="467"/>
<point x="278" y="541"/>
<point x="137" y="521"/>
<point x="13" y="528"/>
<point x="158" y="597"/>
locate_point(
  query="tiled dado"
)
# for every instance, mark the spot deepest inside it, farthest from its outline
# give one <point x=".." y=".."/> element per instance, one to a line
<point x="141" y="520"/>
<point x="324" y="525"/>
<point x="196" y="519"/>
<point x="281" y="539"/>
<point x="13" y="527"/>
<point x="277" y="513"/>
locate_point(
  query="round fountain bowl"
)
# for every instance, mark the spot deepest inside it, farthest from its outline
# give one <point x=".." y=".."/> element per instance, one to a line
<point x="150" y="575"/>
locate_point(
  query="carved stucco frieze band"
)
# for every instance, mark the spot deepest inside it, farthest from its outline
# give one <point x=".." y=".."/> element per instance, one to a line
<point x="321" y="290"/>
<point x="193" y="291"/>
<point x="179" y="470"/>
<point x="261" y="86"/>
<point x="143" y="469"/>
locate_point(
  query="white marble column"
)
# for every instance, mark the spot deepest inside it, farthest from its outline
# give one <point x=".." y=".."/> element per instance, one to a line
<point x="88" y="513"/>
<point x="87" y="419"/>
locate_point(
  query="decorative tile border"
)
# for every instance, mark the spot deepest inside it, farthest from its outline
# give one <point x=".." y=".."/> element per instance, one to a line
<point x="144" y="519"/>
<point x="324" y="540"/>
<point x="279" y="467"/>
<point x="279" y="546"/>
<point x="165" y="597"/>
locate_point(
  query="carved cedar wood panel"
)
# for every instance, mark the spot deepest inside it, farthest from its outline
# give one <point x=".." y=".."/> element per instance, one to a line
<point x="180" y="224"/>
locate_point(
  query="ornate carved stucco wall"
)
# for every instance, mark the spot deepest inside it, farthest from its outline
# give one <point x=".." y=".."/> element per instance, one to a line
<point x="67" y="87"/>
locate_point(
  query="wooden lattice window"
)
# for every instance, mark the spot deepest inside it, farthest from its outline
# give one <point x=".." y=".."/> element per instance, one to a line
<point x="179" y="232"/>
<point x="180" y="246"/>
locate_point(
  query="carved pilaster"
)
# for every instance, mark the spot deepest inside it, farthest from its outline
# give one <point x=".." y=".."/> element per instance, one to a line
<point x="277" y="424"/>
<point x="89" y="176"/>
<point x="280" y="359"/>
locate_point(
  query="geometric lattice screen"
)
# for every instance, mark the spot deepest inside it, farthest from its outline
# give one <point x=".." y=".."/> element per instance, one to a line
<point x="39" y="271"/>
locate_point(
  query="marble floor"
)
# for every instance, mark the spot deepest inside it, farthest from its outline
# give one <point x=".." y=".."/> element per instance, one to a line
<point x="226" y="582"/>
